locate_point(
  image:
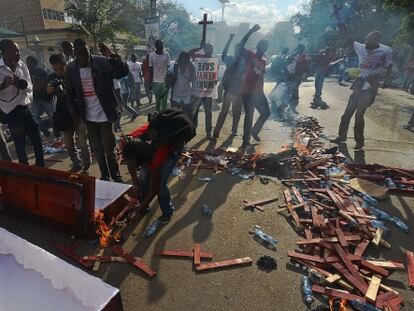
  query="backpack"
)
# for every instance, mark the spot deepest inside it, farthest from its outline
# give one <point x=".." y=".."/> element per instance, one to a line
<point x="169" y="127"/>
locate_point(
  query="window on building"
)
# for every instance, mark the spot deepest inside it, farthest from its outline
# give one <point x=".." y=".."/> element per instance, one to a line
<point x="54" y="15"/>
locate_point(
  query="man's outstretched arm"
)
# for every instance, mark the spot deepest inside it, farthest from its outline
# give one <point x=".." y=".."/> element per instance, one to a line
<point x="226" y="48"/>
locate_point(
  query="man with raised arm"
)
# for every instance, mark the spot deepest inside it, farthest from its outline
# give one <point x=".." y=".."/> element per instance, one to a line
<point x="374" y="58"/>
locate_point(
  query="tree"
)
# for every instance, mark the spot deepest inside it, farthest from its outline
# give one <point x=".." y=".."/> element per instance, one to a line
<point x="100" y="19"/>
<point x="176" y="27"/>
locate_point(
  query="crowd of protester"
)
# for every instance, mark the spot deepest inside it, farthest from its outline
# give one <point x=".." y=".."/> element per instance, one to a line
<point x="87" y="93"/>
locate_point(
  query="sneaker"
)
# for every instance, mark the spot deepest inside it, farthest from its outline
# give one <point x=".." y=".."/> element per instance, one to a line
<point x="408" y="126"/>
<point x="256" y="137"/>
<point x="164" y="219"/>
<point x="359" y="146"/>
<point x="338" y="141"/>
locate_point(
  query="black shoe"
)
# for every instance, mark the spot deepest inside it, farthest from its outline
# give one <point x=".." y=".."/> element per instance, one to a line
<point x="105" y="178"/>
<point x="119" y="180"/>
<point x="164" y="219"/>
<point x="338" y="141"/>
<point x="256" y="137"/>
<point x="133" y="118"/>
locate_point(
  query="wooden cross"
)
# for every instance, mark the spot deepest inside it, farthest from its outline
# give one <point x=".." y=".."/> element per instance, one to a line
<point x="205" y="22"/>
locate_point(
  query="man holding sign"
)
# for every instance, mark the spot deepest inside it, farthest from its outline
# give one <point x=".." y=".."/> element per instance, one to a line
<point x="206" y="83"/>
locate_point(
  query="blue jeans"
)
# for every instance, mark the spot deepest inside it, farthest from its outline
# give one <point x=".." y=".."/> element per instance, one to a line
<point x="164" y="195"/>
<point x="319" y="80"/>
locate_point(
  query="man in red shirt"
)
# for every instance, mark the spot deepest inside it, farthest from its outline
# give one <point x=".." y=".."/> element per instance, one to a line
<point x="156" y="163"/>
<point x="252" y="91"/>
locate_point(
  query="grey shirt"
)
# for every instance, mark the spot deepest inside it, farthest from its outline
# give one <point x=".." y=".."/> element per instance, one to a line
<point x="182" y="90"/>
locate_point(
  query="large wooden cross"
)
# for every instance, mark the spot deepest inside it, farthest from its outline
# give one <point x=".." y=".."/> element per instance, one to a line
<point x="205" y="22"/>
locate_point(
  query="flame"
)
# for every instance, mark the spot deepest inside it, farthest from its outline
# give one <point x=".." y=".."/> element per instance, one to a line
<point x="102" y="229"/>
<point x="302" y="149"/>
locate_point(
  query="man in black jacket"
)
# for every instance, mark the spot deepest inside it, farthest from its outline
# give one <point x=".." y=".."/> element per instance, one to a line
<point x="90" y="97"/>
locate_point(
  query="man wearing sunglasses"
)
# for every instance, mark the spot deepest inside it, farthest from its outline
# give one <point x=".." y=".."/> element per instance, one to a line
<point x="15" y="89"/>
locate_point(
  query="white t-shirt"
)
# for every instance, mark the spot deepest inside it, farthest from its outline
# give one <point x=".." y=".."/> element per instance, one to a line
<point x="136" y="71"/>
<point x="94" y="110"/>
<point x="373" y="62"/>
<point x="160" y="64"/>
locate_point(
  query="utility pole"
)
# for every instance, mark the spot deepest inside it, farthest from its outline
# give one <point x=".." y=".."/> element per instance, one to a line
<point x="153" y="8"/>
<point x="24" y="31"/>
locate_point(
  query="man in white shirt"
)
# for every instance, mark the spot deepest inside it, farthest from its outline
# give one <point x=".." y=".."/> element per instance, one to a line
<point x="136" y="72"/>
<point x="15" y="91"/>
<point x="159" y="61"/>
<point x="90" y="97"/>
<point x="374" y="59"/>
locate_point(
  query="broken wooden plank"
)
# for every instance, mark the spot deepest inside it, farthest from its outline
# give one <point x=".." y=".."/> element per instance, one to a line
<point x="349" y="238"/>
<point x="300" y="198"/>
<point x="372" y="292"/>
<point x="410" y="268"/>
<point x="361" y="247"/>
<point x="382" y="286"/>
<point x="378" y="236"/>
<point x="378" y="270"/>
<point x="197" y="251"/>
<point x="225" y="263"/>
<point x="180" y="253"/>
<point x="341" y="236"/>
<point x="97" y="263"/>
<point x="393" y="265"/>
<point x="295" y="254"/>
<point x="330" y="292"/>
<point x="132" y="260"/>
<point x="383" y="298"/>
<point x="70" y="252"/>
<point x="292" y="212"/>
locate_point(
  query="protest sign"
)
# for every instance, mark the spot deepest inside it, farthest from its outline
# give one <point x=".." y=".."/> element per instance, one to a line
<point x="207" y="76"/>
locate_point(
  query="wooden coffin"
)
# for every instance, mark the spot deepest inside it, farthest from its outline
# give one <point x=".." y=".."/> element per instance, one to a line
<point x="59" y="197"/>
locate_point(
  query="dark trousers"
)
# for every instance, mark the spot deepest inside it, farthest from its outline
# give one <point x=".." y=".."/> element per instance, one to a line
<point x="102" y="141"/>
<point x="358" y="104"/>
<point x="319" y="80"/>
<point x="234" y="100"/>
<point x="207" y="102"/>
<point x="148" y="90"/>
<point x="21" y="123"/>
<point x="250" y="102"/>
<point x="4" y="151"/>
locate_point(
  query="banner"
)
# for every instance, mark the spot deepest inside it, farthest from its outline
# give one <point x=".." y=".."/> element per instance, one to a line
<point x="207" y="70"/>
<point x="152" y="29"/>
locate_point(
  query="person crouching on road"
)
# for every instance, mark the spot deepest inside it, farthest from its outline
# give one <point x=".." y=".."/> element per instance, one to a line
<point x="155" y="164"/>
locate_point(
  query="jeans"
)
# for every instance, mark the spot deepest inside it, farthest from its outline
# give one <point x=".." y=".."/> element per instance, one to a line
<point x="235" y="101"/>
<point x="319" y="80"/>
<point x="135" y="94"/>
<point x="125" y="98"/>
<point x="148" y="91"/>
<point x="117" y="123"/>
<point x="4" y="151"/>
<point x="102" y="140"/>
<point x="250" y="102"/>
<point x="160" y="100"/>
<point x="164" y="195"/>
<point x="207" y="102"/>
<point x="40" y="106"/>
<point x="21" y="123"/>
<point x="82" y="141"/>
<point x="358" y="104"/>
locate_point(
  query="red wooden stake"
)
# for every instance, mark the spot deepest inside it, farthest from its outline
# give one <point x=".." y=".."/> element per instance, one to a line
<point x="225" y="263"/>
<point x="410" y="268"/>
<point x="136" y="263"/>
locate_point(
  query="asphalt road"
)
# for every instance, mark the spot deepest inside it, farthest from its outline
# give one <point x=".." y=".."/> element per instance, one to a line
<point x="226" y="234"/>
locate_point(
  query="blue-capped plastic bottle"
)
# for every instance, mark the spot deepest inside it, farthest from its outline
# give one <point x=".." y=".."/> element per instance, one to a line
<point x="400" y="224"/>
<point x="362" y="306"/>
<point x="307" y="290"/>
<point x="369" y="199"/>
<point x="153" y="228"/>
<point x="390" y="183"/>
<point x="380" y="214"/>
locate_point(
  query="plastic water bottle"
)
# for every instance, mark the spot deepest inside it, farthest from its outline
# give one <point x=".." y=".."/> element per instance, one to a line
<point x="390" y="183"/>
<point x="369" y="199"/>
<point x="264" y="239"/>
<point x="362" y="306"/>
<point x="153" y="228"/>
<point x="307" y="290"/>
<point x="380" y="214"/>
<point x="400" y="224"/>
<point x="207" y="210"/>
